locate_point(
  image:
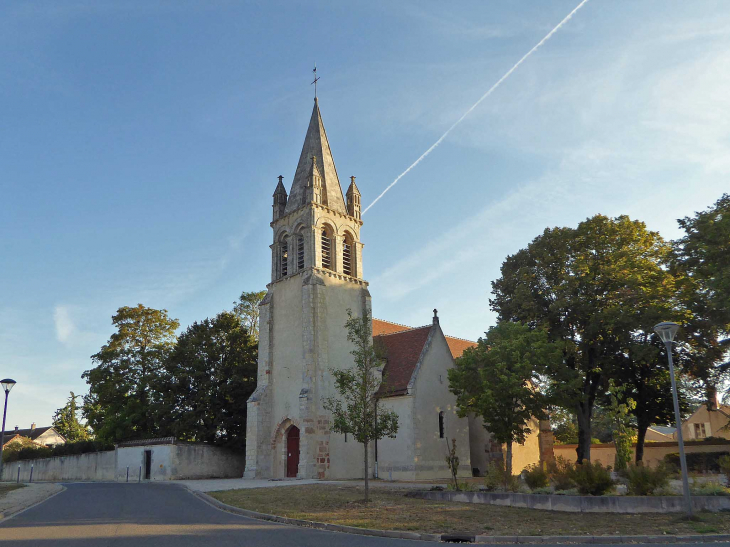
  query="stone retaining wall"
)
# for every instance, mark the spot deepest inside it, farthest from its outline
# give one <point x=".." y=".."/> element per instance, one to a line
<point x="582" y="504"/>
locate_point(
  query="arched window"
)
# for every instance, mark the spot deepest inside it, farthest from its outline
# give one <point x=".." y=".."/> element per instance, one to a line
<point x="300" y="252"/>
<point x="327" y="250"/>
<point x="348" y="256"/>
<point x="284" y="257"/>
<point x="441" y="424"/>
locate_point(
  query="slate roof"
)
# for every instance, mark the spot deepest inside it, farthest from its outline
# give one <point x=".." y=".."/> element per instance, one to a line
<point x="664" y="430"/>
<point x="403" y="346"/>
<point x="32" y="434"/>
<point x="316" y="144"/>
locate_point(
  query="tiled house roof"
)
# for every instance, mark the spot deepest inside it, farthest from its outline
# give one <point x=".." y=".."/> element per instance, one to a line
<point x="402" y="347"/>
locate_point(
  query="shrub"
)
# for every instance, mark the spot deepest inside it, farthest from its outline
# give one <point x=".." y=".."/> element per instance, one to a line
<point x="710" y="489"/>
<point x="592" y="478"/>
<point x="496" y="478"/>
<point x="724" y="463"/>
<point x="535" y="476"/>
<point x="645" y="481"/>
<point x="699" y="462"/>
<point x="543" y="490"/>
<point x="560" y="472"/>
<point x="31" y="451"/>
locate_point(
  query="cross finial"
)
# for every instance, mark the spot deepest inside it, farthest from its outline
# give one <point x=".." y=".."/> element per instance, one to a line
<point x="352" y="180"/>
<point x="281" y="178"/>
<point x="316" y="79"/>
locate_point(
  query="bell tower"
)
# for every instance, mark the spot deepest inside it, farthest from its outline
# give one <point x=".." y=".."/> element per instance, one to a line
<point x="316" y="277"/>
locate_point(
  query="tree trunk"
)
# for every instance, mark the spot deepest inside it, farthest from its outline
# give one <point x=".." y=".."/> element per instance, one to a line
<point x="367" y="485"/>
<point x="641" y="436"/>
<point x="583" y="414"/>
<point x="508" y="465"/>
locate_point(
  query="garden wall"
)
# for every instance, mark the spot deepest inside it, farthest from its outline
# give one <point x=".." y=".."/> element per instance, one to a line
<point x="653" y="452"/>
<point x="583" y="504"/>
<point x="94" y="466"/>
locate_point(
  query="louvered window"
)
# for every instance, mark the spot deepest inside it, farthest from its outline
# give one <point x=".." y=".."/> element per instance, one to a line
<point x="284" y="259"/>
<point x="326" y="251"/>
<point x="300" y="253"/>
<point x="347" y="259"/>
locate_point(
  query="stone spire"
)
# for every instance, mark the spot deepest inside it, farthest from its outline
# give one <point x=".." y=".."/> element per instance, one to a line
<point x="353" y="200"/>
<point x="316" y="146"/>
<point x="279" y="199"/>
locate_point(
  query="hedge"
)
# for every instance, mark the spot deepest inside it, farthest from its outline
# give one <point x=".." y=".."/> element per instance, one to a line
<point x="68" y="449"/>
<point x="698" y="462"/>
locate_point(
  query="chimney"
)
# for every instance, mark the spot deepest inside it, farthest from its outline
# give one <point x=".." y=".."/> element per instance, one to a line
<point x="32" y="426"/>
<point x="435" y="317"/>
<point x="713" y="399"/>
<point x="16" y="428"/>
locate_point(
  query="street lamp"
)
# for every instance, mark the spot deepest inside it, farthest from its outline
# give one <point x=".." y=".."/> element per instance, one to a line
<point x="7" y="386"/>
<point x="667" y="331"/>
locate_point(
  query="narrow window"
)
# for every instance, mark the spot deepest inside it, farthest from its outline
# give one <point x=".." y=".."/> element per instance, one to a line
<point x="326" y="251"/>
<point x="300" y="252"/>
<point x="345" y="437"/>
<point x="347" y="258"/>
<point x="441" y="424"/>
<point x="284" y="258"/>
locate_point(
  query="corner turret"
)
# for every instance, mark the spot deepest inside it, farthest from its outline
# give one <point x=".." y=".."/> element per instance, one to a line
<point x="353" y="200"/>
<point x="280" y="198"/>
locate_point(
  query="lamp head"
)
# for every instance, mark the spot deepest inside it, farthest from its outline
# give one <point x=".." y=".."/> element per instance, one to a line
<point x="666" y="331"/>
<point x="7" y="384"/>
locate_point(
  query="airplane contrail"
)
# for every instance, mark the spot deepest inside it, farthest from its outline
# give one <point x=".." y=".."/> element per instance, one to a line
<point x="487" y="94"/>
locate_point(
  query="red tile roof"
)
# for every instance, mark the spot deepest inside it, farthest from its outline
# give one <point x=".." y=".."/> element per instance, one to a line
<point x="402" y="346"/>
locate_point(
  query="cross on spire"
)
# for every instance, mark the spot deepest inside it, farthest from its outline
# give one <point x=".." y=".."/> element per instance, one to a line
<point x="316" y="79"/>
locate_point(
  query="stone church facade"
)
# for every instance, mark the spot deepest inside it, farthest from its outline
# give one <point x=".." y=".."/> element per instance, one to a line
<point x="316" y="276"/>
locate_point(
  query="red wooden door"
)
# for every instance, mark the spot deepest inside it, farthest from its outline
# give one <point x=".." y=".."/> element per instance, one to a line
<point x="292" y="451"/>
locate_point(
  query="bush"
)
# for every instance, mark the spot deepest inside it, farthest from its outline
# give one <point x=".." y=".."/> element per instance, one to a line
<point x="535" y="476"/>
<point x="699" y="462"/>
<point x="593" y="479"/>
<point x="560" y="471"/>
<point x="32" y="451"/>
<point x="724" y="463"/>
<point x="710" y="489"/>
<point x="645" y="481"/>
<point x="496" y="478"/>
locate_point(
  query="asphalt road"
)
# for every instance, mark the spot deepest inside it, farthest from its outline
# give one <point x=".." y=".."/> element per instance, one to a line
<point x="120" y="515"/>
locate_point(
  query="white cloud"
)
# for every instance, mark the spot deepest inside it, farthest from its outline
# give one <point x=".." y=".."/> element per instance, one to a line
<point x="65" y="327"/>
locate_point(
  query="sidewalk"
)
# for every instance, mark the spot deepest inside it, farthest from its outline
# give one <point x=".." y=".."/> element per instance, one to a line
<point x="22" y="498"/>
<point x="215" y="485"/>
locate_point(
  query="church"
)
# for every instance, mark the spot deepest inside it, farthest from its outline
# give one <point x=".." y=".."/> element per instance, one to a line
<point x="316" y="276"/>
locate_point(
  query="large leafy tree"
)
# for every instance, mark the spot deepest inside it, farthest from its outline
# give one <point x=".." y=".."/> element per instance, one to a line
<point x="206" y="381"/>
<point x="595" y="289"/>
<point x="357" y="410"/>
<point x="497" y="381"/>
<point x="121" y="399"/>
<point x="247" y="309"/>
<point x="703" y="259"/>
<point x="66" y="421"/>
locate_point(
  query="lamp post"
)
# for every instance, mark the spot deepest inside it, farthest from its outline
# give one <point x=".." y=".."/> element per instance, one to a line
<point x="667" y="331"/>
<point x="7" y="386"/>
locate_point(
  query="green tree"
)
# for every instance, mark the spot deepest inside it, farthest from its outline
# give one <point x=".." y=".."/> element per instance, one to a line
<point x="121" y="398"/>
<point x="619" y="410"/>
<point x="358" y="410"/>
<point x="497" y="380"/>
<point x="206" y="381"/>
<point x="66" y="421"/>
<point x="595" y="289"/>
<point x="703" y="258"/>
<point x="247" y="309"/>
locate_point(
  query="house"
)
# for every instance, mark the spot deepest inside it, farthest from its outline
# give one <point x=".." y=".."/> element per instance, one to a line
<point x="43" y="436"/>
<point x="660" y="433"/>
<point x="711" y="419"/>
<point x="316" y="279"/>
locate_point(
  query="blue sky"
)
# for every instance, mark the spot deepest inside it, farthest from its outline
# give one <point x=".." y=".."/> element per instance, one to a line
<point x="141" y="142"/>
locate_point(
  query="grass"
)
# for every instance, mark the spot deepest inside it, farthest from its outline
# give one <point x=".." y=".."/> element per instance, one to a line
<point x="389" y="509"/>
<point x="5" y="488"/>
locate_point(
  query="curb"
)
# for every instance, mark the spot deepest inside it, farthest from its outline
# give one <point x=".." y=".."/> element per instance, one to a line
<point x="456" y="537"/>
<point x="9" y="513"/>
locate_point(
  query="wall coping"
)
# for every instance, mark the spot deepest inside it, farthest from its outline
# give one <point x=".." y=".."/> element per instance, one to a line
<point x="582" y="504"/>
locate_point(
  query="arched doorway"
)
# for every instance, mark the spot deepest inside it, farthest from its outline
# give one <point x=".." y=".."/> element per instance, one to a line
<point x="292" y="451"/>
